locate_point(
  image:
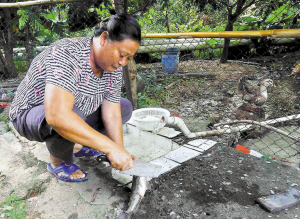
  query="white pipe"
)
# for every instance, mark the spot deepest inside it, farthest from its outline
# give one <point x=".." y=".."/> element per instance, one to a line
<point x="180" y="124"/>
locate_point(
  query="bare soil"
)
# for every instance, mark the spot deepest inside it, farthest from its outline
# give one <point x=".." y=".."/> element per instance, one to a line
<point x="224" y="183"/>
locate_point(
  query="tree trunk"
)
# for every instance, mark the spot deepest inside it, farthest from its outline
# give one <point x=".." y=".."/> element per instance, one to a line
<point x="133" y="81"/>
<point x="29" y="44"/>
<point x="229" y="27"/>
<point x="8" y="42"/>
<point x="2" y="66"/>
<point x="120" y="8"/>
<point x="10" y="70"/>
<point x="167" y="17"/>
<point x="232" y="17"/>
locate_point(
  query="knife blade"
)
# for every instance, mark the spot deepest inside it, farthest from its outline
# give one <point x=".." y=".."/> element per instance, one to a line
<point x="138" y="169"/>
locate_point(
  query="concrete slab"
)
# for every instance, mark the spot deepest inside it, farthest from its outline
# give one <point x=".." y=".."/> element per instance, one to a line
<point x="199" y="142"/>
<point x="164" y="131"/>
<point x="193" y="148"/>
<point x="202" y="144"/>
<point x="168" y="132"/>
<point x="166" y="164"/>
<point x="146" y="145"/>
<point x="182" y="154"/>
<point x="130" y="121"/>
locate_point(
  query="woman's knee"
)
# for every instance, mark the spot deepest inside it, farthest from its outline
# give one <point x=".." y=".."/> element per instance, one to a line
<point x="126" y="110"/>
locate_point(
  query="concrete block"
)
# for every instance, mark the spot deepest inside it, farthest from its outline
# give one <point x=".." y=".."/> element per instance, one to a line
<point x="166" y="164"/>
<point x="168" y="132"/>
<point x="203" y="144"/>
<point x="182" y="154"/>
<point x="146" y="145"/>
<point x="193" y="148"/>
<point x="130" y="121"/>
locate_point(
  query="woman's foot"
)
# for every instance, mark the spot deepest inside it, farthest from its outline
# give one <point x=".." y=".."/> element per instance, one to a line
<point x="77" y="147"/>
<point x="85" y="152"/>
<point x="78" y="174"/>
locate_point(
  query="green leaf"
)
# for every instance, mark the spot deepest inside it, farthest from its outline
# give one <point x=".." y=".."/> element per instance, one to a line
<point x="249" y="19"/>
<point x="52" y="16"/>
<point x="22" y="21"/>
<point x="151" y="11"/>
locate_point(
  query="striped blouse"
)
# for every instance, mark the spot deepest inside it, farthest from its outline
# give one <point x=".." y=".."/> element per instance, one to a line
<point x="66" y="63"/>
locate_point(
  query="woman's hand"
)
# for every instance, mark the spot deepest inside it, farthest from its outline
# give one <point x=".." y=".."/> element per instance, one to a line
<point x="134" y="158"/>
<point x="120" y="159"/>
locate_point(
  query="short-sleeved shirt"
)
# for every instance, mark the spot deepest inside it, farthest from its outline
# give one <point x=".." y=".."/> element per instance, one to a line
<point x="66" y="63"/>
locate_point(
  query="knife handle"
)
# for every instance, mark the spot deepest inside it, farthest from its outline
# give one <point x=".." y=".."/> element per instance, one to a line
<point x="102" y="158"/>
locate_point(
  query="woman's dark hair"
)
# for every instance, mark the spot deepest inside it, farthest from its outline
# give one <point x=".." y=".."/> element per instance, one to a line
<point x="119" y="28"/>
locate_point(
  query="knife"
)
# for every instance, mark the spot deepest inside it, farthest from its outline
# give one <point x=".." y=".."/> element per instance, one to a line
<point x="138" y="169"/>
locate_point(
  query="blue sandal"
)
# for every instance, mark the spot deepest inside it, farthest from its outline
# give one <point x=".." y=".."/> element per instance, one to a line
<point x="87" y="152"/>
<point x="66" y="171"/>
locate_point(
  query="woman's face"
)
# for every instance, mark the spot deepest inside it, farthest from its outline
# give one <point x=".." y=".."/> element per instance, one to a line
<point x="114" y="54"/>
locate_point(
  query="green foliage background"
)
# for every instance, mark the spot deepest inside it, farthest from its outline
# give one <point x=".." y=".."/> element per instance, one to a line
<point x="42" y="25"/>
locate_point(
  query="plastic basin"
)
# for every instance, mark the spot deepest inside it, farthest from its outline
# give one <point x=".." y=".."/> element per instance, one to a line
<point x="149" y="119"/>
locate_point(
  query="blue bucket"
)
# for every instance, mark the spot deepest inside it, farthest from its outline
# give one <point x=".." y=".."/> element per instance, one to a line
<point x="170" y="60"/>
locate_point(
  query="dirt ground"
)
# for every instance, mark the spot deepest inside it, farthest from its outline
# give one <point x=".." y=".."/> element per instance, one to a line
<point x="222" y="183"/>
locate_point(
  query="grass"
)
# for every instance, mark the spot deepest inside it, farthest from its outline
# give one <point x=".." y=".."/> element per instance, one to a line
<point x="3" y="118"/>
<point x="14" y="206"/>
<point x="154" y="94"/>
<point x="30" y="160"/>
<point x="158" y="94"/>
<point x="21" y="64"/>
<point x="6" y="128"/>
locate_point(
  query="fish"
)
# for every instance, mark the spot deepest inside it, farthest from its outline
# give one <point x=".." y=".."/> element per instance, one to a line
<point x="139" y="188"/>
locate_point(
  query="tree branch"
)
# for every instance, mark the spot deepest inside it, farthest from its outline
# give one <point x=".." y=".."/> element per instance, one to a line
<point x="227" y="5"/>
<point x="239" y="7"/>
<point x="180" y="124"/>
<point x="247" y="6"/>
<point x="143" y="8"/>
<point x="286" y="134"/>
<point x="265" y="126"/>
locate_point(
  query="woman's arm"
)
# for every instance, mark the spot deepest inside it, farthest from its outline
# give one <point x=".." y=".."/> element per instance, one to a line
<point x="112" y="119"/>
<point x="59" y="115"/>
